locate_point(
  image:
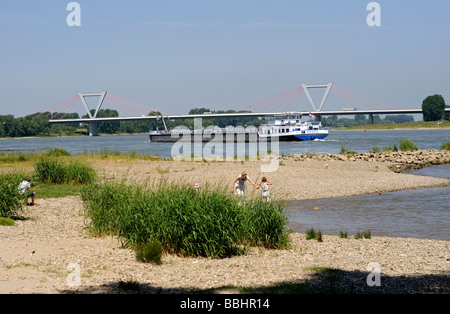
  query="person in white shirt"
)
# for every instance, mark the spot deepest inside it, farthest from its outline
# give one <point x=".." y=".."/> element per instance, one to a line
<point x="25" y="189"/>
<point x="265" y="189"/>
<point x="239" y="185"/>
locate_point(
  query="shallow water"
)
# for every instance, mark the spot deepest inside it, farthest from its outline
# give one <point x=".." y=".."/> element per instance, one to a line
<point x="421" y="213"/>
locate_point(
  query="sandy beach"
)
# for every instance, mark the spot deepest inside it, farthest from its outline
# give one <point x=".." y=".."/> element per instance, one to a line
<point x="36" y="252"/>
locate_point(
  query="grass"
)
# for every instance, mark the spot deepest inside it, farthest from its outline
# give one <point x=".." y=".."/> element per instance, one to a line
<point x="407" y="125"/>
<point x="311" y="234"/>
<point x="149" y="252"/>
<point x="49" y="190"/>
<point x="208" y="223"/>
<point x="445" y="146"/>
<point x="407" y="145"/>
<point x="363" y="235"/>
<point x="11" y="202"/>
<point x="58" y="170"/>
<point x="392" y="148"/>
<point x="346" y="151"/>
<point x="4" y="221"/>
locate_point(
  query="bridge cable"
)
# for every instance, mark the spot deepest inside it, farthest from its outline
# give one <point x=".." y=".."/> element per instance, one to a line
<point x="58" y="104"/>
<point x="268" y="100"/>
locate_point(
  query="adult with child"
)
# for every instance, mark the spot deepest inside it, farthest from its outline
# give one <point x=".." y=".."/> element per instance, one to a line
<point x="25" y="190"/>
<point x="239" y="185"/>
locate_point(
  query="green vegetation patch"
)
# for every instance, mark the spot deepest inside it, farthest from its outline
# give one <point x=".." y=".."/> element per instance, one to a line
<point x="4" y="221"/>
<point x="59" y="170"/>
<point x="208" y="223"/>
<point x="407" y="144"/>
<point x="10" y="199"/>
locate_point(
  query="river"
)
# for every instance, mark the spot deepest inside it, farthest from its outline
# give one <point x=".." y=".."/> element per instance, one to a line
<point x="358" y="141"/>
<point x="423" y="213"/>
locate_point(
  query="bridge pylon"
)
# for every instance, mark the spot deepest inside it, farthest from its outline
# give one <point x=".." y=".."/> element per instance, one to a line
<point x="324" y="98"/>
<point x="93" y="126"/>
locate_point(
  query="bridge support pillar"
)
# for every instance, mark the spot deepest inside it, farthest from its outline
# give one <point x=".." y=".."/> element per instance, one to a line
<point x="93" y="128"/>
<point x="370" y="118"/>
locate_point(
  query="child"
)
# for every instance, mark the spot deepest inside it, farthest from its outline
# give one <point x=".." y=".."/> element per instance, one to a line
<point x="265" y="189"/>
<point x="25" y="189"/>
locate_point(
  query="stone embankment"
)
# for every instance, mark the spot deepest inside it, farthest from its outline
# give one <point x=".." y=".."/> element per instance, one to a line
<point x="399" y="161"/>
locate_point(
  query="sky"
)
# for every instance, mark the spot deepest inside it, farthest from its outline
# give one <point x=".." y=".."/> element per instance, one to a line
<point x="175" y="55"/>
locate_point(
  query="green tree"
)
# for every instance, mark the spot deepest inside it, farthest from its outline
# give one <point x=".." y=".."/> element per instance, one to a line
<point x="433" y="108"/>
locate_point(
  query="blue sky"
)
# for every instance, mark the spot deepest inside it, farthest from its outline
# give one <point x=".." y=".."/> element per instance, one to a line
<point x="229" y="54"/>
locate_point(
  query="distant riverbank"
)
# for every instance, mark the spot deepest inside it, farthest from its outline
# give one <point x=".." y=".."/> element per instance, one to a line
<point x="421" y="125"/>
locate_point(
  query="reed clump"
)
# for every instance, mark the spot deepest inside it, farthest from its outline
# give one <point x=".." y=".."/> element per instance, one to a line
<point x="209" y="222"/>
<point x="311" y="234"/>
<point x="10" y="199"/>
<point x="445" y="145"/>
<point x="149" y="252"/>
<point x="407" y="145"/>
<point x="58" y="170"/>
<point x="363" y="234"/>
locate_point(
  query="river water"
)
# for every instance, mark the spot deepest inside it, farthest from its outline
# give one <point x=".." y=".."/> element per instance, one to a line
<point x="358" y="141"/>
<point x="422" y="213"/>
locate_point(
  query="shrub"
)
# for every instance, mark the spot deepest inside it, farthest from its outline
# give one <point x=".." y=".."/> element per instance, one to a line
<point x="265" y="223"/>
<point x="445" y="146"/>
<point x="6" y="221"/>
<point x="57" y="152"/>
<point x="10" y="199"/>
<point x="58" y="171"/>
<point x="149" y="252"/>
<point x="407" y="144"/>
<point x="209" y="222"/>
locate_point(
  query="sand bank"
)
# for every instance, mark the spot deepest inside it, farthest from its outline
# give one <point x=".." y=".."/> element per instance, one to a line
<point x="35" y="254"/>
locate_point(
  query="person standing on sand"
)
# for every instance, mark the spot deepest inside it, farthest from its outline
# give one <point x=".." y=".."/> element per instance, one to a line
<point x="265" y="189"/>
<point x="25" y="189"/>
<point x="239" y="184"/>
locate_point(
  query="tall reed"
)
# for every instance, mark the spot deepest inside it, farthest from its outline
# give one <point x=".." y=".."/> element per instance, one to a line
<point x="58" y="170"/>
<point x="209" y="222"/>
<point x="10" y="199"/>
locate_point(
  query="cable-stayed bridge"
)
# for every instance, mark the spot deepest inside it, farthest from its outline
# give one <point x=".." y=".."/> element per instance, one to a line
<point x="353" y="103"/>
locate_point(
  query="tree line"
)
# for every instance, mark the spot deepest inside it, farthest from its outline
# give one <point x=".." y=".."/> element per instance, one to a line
<point x="38" y="124"/>
<point x="335" y="122"/>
